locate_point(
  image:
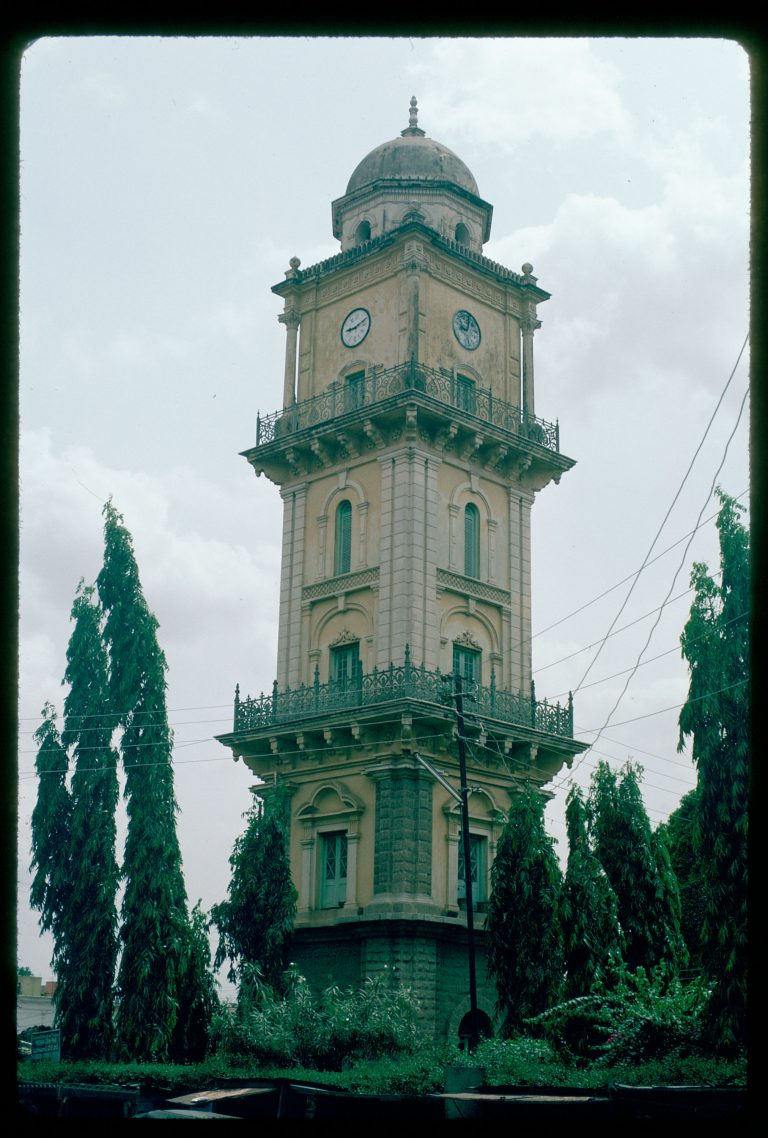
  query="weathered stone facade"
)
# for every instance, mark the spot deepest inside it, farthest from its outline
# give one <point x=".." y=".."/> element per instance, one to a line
<point x="408" y="457"/>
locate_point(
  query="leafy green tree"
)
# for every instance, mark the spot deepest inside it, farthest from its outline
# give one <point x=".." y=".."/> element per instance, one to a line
<point x="680" y="832"/>
<point x="86" y="973"/>
<point x="591" y="932"/>
<point x="198" y="1000"/>
<point x="525" y="953"/>
<point x="715" y="642"/>
<point x="51" y="881"/>
<point x="256" y="921"/>
<point x="155" y="923"/>
<point x="621" y="837"/>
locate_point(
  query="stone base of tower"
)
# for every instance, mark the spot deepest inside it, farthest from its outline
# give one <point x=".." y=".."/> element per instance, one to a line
<point x="429" y="957"/>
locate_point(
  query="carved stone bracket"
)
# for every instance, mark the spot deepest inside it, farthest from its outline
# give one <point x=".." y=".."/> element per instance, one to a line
<point x="373" y="433"/>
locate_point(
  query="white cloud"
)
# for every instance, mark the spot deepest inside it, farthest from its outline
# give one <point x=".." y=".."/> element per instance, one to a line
<point x="514" y="90"/>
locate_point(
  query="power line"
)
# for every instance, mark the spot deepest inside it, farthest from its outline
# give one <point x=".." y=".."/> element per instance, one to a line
<point x="680" y="566"/>
<point x="629" y="577"/>
<point x="615" y="632"/>
<point x="682" y="561"/>
<point x="672" y="505"/>
<point x="653" y="659"/>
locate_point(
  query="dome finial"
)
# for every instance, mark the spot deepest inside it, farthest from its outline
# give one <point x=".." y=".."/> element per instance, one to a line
<point x="413" y="120"/>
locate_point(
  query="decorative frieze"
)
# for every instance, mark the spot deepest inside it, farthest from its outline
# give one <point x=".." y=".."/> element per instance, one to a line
<point x="469" y="587"/>
<point x="347" y="583"/>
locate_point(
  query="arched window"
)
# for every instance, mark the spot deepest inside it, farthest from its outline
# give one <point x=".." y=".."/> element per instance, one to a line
<point x="363" y="232"/>
<point x="471" y="541"/>
<point x="343" y="549"/>
<point x="462" y="234"/>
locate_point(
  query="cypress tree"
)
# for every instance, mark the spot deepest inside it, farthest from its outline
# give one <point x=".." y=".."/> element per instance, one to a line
<point x="197" y="995"/>
<point x="155" y="925"/>
<point x="86" y="978"/>
<point x="621" y="838"/>
<point x="680" y="833"/>
<point x="715" y="643"/>
<point x="592" y="939"/>
<point x="256" y="920"/>
<point x="51" y="880"/>
<point x="525" y="956"/>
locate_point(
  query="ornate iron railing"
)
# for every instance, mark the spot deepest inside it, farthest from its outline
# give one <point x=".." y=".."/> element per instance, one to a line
<point x="400" y="681"/>
<point x="378" y="386"/>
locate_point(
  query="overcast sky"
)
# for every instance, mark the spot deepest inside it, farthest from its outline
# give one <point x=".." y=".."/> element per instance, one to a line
<point x="165" y="183"/>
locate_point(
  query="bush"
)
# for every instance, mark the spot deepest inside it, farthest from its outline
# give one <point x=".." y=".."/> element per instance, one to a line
<point x="641" y="1019"/>
<point x="519" y="1061"/>
<point x="419" y="1074"/>
<point x="345" y="1024"/>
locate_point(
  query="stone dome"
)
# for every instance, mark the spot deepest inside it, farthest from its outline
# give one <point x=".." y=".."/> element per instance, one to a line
<point x="412" y="156"/>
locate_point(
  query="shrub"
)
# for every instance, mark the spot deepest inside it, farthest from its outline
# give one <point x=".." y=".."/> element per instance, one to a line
<point x="345" y="1024"/>
<point x="518" y="1061"/>
<point x="642" y="1018"/>
<point x="418" y="1074"/>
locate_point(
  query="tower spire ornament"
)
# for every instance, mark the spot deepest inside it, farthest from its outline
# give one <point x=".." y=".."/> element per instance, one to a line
<point x="413" y="120"/>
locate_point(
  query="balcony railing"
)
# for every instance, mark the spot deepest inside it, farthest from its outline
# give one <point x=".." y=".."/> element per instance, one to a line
<point x="377" y="386"/>
<point x="400" y="681"/>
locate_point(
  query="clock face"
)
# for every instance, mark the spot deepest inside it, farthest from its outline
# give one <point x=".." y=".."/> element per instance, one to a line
<point x="355" y="327"/>
<point x="466" y="329"/>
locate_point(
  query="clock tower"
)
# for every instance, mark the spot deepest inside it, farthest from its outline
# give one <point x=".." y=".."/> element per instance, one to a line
<point x="408" y="455"/>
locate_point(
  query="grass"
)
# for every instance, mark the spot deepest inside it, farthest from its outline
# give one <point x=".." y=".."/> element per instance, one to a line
<point x="421" y="1073"/>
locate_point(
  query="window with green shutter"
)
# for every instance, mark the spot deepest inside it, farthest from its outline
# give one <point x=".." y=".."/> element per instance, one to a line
<point x="466" y="663"/>
<point x="471" y="541"/>
<point x="465" y="394"/>
<point x="345" y="665"/>
<point x="477" y="859"/>
<point x="343" y="549"/>
<point x="333" y="879"/>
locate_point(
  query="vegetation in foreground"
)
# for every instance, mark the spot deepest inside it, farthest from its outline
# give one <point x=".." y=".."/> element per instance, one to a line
<point x="644" y="1030"/>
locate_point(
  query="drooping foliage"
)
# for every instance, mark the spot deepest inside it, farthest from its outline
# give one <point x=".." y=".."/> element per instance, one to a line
<point x="715" y="717"/>
<point x="525" y="956"/>
<point x="197" y="996"/>
<point x="592" y="939"/>
<point x="51" y="880"/>
<point x="85" y="1002"/>
<point x="256" y="921"/>
<point x="648" y="907"/>
<point x="680" y="833"/>
<point x="155" y="924"/>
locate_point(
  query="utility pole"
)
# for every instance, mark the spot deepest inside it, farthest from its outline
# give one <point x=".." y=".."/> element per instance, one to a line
<point x="464" y="790"/>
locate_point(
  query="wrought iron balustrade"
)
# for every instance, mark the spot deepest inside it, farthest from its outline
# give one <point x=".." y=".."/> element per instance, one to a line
<point x="378" y="386"/>
<point x="399" y="681"/>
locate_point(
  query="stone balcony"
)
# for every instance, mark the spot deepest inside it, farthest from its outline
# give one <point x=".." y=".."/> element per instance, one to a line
<point x="313" y="717"/>
<point x="410" y="401"/>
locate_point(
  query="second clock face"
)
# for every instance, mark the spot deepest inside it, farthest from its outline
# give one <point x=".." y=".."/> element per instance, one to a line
<point x="355" y="327"/>
<point x="466" y="329"/>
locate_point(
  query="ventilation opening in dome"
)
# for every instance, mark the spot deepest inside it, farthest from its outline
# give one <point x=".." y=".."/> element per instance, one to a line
<point x="363" y="232"/>
<point x="462" y="234"/>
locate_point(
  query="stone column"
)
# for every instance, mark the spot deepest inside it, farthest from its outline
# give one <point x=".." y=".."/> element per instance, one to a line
<point x="291" y="319"/>
<point x="528" y="325"/>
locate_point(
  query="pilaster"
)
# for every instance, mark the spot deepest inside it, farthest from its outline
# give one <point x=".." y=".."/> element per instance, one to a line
<point x="289" y="654"/>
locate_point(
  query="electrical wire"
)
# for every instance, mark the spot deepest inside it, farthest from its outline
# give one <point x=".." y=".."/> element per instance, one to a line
<point x="673" y="503"/>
